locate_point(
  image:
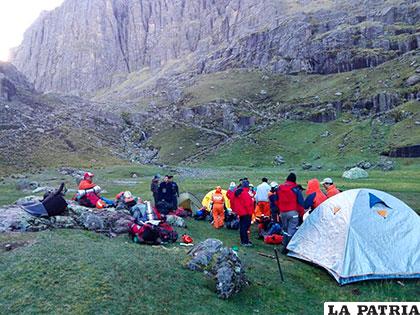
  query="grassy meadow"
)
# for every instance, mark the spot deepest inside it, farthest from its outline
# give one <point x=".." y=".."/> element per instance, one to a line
<point x="80" y="272"/>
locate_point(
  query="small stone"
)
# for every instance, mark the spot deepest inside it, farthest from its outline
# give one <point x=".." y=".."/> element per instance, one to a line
<point x="8" y="247"/>
<point x="326" y="133"/>
<point x="197" y="144"/>
<point x="413" y="80"/>
<point x="417" y="122"/>
<point x="338" y="94"/>
<point x="263" y="92"/>
<point x="134" y="175"/>
<point x="279" y="160"/>
<point x="306" y="166"/>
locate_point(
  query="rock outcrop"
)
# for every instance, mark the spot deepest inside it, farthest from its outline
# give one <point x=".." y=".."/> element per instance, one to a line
<point x="84" y="46"/>
<point x="220" y="263"/>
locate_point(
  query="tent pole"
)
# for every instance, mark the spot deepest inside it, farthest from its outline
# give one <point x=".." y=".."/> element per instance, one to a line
<point x="278" y="264"/>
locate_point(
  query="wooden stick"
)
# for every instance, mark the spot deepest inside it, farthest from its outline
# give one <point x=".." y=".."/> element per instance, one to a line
<point x="266" y="255"/>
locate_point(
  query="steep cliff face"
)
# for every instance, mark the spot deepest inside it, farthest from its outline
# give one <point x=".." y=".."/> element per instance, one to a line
<point x="86" y="45"/>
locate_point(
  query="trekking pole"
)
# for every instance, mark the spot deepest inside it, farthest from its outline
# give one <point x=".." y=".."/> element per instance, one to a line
<point x="278" y="264"/>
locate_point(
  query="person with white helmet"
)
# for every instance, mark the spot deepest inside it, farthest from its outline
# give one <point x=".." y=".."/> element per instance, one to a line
<point x="330" y="188"/>
<point x="261" y="198"/>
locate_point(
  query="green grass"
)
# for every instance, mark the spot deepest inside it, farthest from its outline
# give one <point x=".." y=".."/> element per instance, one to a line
<point x="80" y="272"/>
<point x="301" y="89"/>
<point x="178" y="143"/>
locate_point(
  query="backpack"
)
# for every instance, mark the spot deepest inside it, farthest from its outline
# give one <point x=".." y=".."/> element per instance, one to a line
<point x="166" y="233"/>
<point x="231" y="221"/>
<point x="273" y="239"/>
<point x="144" y="234"/>
<point x="163" y="207"/>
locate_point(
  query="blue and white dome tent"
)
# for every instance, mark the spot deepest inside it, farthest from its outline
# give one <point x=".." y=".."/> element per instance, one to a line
<point x="361" y="234"/>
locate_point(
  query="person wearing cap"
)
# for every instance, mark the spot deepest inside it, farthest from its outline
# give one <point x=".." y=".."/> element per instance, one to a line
<point x="290" y="203"/>
<point x="330" y="188"/>
<point x="261" y="198"/>
<point x="244" y="208"/>
<point x="218" y="208"/>
<point x="154" y="188"/>
<point x="314" y="195"/>
<point x="272" y="197"/>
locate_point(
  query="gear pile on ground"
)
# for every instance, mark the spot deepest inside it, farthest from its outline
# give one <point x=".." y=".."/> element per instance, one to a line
<point x="108" y="221"/>
<point x="220" y="263"/>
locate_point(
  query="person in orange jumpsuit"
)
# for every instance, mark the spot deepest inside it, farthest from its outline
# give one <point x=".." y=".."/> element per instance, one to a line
<point x="89" y="194"/>
<point x="218" y="210"/>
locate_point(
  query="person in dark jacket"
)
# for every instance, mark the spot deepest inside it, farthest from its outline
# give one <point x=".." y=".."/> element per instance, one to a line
<point x="244" y="207"/>
<point x="175" y="193"/>
<point x="154" y="188"/>
<point x="272" y="197"/>
<point x="165" y="195"/>
<point x="291" y="205"/>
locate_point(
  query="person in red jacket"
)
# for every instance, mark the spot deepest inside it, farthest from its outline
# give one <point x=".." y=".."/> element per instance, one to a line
<point x="244" y="208"/>
<point x="290" y="203"/>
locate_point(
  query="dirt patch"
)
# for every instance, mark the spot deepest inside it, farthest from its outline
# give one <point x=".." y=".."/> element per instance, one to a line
<point x="11" y="241"/>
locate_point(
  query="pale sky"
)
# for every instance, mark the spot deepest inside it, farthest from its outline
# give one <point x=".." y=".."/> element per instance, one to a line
<point x="15" y="17"/>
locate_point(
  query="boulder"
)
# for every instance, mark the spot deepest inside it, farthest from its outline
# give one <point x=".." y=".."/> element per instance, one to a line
<point x="202" y="254"/>
<point x="42" y="189"/>
<point x="386" y="165"/>
<point x="279" y="160"/>
<point x="220" y="263"/>
<point x="364" y="164"/>
<point x="27" y="199"/>
<point x="355" y="173"/>
<point x="25" y="184"/>
<point x="306" y="166"/>
<point x="413" y="80"/>
<point x="229" y="273"/>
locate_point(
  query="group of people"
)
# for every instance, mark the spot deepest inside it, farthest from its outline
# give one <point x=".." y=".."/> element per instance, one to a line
<point x="284" y="203"/>
<point x="165" y="194"/>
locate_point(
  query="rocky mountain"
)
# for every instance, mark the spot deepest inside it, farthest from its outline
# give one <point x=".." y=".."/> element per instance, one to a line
<point x="207" y="81"/>
<point x="50" y="129"/>
<point x="86" y="45"/>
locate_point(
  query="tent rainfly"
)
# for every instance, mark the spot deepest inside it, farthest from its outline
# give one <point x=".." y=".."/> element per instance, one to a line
<point x="361" y="234"/>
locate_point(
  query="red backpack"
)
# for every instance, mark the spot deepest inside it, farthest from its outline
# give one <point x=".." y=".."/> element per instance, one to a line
<point x="273" y="239"/>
